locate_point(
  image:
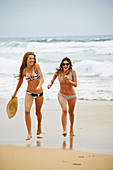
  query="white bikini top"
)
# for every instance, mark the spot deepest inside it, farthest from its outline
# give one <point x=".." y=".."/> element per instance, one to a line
<point x="70" y="77"/>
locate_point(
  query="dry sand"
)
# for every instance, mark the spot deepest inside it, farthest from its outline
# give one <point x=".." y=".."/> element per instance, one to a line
<point x="25" y="158"/>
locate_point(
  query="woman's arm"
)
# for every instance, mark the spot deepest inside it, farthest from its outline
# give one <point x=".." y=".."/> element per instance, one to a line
<point x="18" y="86"/>
<point x="74" y="82"/>
<point x="38" y="69"/>
<point x="53" y="79"/>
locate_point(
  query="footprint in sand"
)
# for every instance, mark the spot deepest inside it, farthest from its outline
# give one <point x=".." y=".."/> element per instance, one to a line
<point x="81" y="156"/>
<point x="77" y="164"/>
<point x="91" y="155"/>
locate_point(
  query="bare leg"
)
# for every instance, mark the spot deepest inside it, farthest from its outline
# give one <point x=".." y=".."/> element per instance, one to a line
<point x="71" y="103"/>
<point x="38" y="103"/>
<point x="63" y="104"/>
<point x="28" y="104"/>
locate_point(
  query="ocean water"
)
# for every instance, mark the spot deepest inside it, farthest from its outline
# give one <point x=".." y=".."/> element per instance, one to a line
<point x="92" y="59"/>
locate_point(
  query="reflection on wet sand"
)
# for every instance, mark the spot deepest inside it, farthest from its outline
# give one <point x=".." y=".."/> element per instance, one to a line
<point x="64" y="144"/>
<point x="71" y="143"/>
<point x="38" y="142"/>
<point x="67" y="143"/>
<point x="28" y="145"/>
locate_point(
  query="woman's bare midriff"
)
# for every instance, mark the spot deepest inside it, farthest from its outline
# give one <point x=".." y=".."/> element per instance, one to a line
<point x="67" y="89"/>
<point x="32" y="87"/>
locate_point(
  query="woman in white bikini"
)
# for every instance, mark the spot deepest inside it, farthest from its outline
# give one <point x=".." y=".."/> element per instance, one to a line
<point x="67" y="78"/>
<point x="33" y="74"/>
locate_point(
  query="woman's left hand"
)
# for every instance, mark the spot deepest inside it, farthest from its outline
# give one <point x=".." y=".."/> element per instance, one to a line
<point x="66" y="77"/>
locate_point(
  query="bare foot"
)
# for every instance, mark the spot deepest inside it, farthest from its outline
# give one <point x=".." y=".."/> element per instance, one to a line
<point x="29" y="137"/>
<point x="72" y="133"/>
<point x="64" y="133"/>
<point x="39" y="131"/>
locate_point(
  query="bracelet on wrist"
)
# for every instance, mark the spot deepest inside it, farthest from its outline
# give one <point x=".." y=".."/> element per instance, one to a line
<point x="51" y="81"/>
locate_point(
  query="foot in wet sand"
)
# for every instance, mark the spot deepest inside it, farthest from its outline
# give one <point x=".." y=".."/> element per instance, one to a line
<point x="39" y="131"/>
<point x="29" y="137"/>
<point x="72" y="133"/>
<point x="64" y="133"/>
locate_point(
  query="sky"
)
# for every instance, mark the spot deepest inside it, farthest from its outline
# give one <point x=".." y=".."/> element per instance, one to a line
<point x="34" y="18"/>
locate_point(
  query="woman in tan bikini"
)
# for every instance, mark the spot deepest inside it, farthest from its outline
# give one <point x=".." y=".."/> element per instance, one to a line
<point x="33" y="74"/>
<point x="67" y="78"/>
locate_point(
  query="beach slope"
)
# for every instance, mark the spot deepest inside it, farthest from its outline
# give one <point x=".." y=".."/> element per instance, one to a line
<point x="27" y="158"/>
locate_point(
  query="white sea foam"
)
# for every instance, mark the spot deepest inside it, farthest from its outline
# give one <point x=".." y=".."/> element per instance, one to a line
<point x="83" y="68"/>
<point x="94" y="68"/>
<point x="105" y="47"/>
<point x="92" y="60"/>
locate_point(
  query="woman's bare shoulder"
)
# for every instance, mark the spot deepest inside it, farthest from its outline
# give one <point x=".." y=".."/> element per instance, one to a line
<point x="37" y="66"/>
<point x="24" y="71"/>
<point x="73" y="71"/>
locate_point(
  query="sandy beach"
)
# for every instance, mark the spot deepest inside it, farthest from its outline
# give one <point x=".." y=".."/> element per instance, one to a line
<point x="83" y="32"/>
<point x="90" y="148"/>
<point x="25" y="158"/>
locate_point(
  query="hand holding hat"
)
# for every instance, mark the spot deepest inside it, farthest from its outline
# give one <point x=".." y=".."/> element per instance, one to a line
<point x="12" y="107"/>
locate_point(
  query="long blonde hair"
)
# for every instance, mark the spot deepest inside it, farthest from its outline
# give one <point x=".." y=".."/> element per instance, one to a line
<point x="24" y="63"/>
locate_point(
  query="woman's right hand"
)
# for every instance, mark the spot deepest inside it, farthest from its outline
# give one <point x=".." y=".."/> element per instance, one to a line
<point x="49" y="85"/>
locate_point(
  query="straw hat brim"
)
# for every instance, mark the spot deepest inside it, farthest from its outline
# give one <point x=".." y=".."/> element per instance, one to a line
<point x="12" y="107"/>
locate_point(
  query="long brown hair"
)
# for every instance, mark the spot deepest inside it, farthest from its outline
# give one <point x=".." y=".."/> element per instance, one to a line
<point x="60" y="69"/>
<point x="24" y="63"/>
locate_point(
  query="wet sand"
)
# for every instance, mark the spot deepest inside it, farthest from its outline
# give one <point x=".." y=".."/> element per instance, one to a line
<point x="90" y="148"/>
<point x="93" y="126"/>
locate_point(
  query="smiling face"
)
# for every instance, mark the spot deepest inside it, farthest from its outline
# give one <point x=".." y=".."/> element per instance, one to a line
<point x="65" y="65"/>
<point x="30" y="60"/>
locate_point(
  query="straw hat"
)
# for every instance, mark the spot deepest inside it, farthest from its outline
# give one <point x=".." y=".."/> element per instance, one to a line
<point x="12" y="107"/>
